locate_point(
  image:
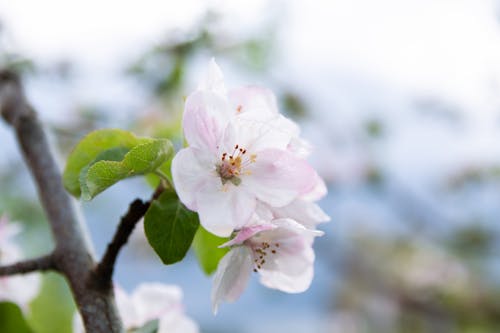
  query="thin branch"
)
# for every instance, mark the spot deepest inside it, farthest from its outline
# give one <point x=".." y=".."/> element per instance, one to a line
<point x="103" y="272"/>
<point x="71" y="255"/>
<point x="45" y="263"/>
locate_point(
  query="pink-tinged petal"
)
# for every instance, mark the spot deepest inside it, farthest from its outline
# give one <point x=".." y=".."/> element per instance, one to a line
<point x="290" y="267"/>
<point x="278" y="177"/>
<point x="256" y="135"/>
<point x="304" y="212"/>
<point x="223" y="208"/>
<point x="232" y="276"/>
<point x="248" y="232"/>
<point x="153" y="300"/>
<point x="206" y="115"/>
<point x="191" y="168"/>
<point x="253" y="101"/>
<point x="317" y="191"/>
<point x="213" y="80"/>
<point x="277" y="279"/>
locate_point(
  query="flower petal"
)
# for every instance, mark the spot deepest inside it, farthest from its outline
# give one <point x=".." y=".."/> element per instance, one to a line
<point x="223" y="208"/>
<point x="127" y="309"/>
<point x="290" y="269"/>
<point x="153" y="300"/>
<point x="304" y="212"/>
<point x="177" y="323"/>
<point x="299" y="147"/>
<point x="213" y="80"/>
<point x="232" y="276"/>
<point x="247" y="232"/>
<point x="253" y="101"/>
<point x="317" y="191"/>
<point x="256" y="135"/>
<point x="278" y="177"/>
<point x="206" y="114"/>
<point x="191" y="168"/>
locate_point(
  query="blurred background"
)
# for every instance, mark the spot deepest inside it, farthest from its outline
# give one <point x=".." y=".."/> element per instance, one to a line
<point x="401" y="100"/>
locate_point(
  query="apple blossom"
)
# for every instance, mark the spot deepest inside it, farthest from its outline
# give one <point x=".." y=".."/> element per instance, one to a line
<point x="150" y="301"/>
<point x="280" y="251"/>
<point x="303" y="210"/>
<point x="239" y="153"/>
<point x="17" y="289"/>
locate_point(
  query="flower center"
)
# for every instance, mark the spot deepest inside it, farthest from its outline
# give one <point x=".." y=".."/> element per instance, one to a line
<point x="232" y="166"/>
<point x="261" y="252"/>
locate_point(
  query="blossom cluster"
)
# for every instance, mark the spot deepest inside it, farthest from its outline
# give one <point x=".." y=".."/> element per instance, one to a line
<point x="16" y="289"/>
<point x="245" y="173"/>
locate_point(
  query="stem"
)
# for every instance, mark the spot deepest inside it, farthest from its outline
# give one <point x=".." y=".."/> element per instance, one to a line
<point x="104" y="270"/>
<point x="167" y="183"/>
<point x="45" y="263"/>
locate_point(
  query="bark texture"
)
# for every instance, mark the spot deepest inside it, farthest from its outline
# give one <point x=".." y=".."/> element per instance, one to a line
<point x="71" y="256"/>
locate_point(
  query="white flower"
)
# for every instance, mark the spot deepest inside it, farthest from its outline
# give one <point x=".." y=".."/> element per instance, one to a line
<point x="280" y="252"/>
<point x="303" y="210"/>
<point x="239" y="152"/>
<point x="19" y="289"/>
<point x="148" y="302"/>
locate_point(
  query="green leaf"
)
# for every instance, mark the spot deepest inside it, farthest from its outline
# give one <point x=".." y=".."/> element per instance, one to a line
<point x="12" y="319"/>
<point x="113" y="154"/>
<point x="150" y="327"/>
<point x="90" y="147"/>
<point x="205" y="245"/>
<point x="53" y="309"/>
<point x="165" y="169"/>
<point x="142" y="159"/>
<point x="170" y="227"/>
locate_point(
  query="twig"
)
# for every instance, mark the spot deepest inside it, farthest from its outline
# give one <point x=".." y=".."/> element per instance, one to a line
<point x="103" y="272"/>
<point x="71" y="255"/>
<point x="45" y="263"/>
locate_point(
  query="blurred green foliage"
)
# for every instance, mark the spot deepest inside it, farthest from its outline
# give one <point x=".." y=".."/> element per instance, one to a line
<point x="12" y="320"/>
<point x="53" y="309"/>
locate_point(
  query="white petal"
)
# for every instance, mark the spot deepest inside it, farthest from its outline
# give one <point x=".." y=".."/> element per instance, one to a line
<point x="190" y="170"/>
<point x="252" y="101"/>
<point x="205" y="117"/>
<point x="20" y="289"/>
<point x="232" y="276"/>
<point x="280" y="280"/>
<point x="153" y="300"/>
<point x="290" y="269"/>
<point x="177" y="323"/>
<point x="213" y="80"/>
<point x="127" y="309"/>
<point x="256" y="135"/>
<point x="248" y="232"/>
<point x="317" y="192"/>
<point x="299" y="147"/>
<point x="278" y="177"/>
<point x="223" y="208"/>
<point x="306" y="213"/>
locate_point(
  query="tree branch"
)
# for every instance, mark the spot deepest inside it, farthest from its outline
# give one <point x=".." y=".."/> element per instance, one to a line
<point x="45" y="263"/>
<point x="104" y="270"/>
<point x="71" y="255"/>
